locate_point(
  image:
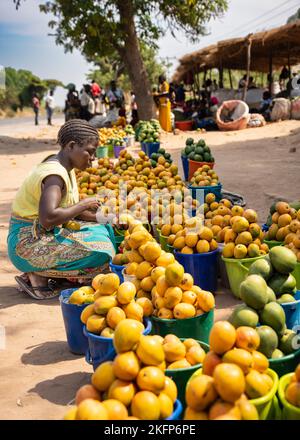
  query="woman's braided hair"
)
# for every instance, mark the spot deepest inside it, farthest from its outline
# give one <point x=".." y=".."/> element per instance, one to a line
<point x="77" y="130"/>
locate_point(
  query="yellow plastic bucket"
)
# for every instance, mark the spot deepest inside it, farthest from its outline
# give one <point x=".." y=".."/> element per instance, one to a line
<point x="267" y="406"/>
<point x="237" y="270"/>
<point x="289" y="411"/>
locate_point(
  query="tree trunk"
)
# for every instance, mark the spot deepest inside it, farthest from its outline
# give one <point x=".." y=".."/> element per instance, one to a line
<point x="134" y="63"/>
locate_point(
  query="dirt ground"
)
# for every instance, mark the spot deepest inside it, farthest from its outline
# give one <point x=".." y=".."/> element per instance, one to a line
<point x="39" y="376"/>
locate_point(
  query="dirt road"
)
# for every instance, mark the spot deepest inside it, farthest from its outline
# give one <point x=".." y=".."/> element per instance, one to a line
<point x="39" y="374"/>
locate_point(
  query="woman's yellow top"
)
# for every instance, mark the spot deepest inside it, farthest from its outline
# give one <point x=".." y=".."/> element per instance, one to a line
<point x="27" y="200"/>
<point x="164" y="88"/>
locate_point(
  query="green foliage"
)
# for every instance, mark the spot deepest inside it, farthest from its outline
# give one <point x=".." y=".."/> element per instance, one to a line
<point x="113" y="67"/>
<point x="19" y="87"/>
<point x="294" y="17"/>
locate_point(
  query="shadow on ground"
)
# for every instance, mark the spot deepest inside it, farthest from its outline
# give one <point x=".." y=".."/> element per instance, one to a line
<point x="61" y="390"/>
<point x="46" y="353"/>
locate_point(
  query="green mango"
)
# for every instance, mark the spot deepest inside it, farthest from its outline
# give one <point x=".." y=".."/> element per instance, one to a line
<point x="268" y="340"/>
<point x="262" y="267"/>
<point x="243" y="316"/>
<point x="283" y="259"/>
<point x="253" y="291"/>
<point x="273" y="315"/>
<point x="277" y="354"/>
<point x="286" y="344"/>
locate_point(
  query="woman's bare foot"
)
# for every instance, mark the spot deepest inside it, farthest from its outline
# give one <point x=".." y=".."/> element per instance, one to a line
<point x="36" y="281"/>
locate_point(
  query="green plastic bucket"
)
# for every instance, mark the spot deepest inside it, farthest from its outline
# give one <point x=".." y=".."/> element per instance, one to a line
<point x="267" y="406"/>
<point x="182" y="375"/>
<point x="237" y="270"/>
<point x="273" y="243"/>
<point x="102" y="152"/>
<point x="296" y="274"/>
<point x="163" y="241"/>
<point x="118" y="241"/>
<point x="111" y="153"/>
<point x="198" y="327"/>
<point x="286" y="364"/>
<point x="289" y="411"/>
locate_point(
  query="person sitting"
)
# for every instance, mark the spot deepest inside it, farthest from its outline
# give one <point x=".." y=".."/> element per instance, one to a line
<point x="242" y="82"/>
<point x="265" y="105"/>
<point x="95" y="89"/>
<point x="40" y="243"/>
<point x="251" y="83"/>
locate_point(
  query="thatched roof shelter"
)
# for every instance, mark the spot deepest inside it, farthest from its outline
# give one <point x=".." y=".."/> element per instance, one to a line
<point x="270" y="50"/>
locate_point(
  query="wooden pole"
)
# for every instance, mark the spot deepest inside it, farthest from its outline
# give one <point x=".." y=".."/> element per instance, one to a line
<point x="289" y="60"/>
<point x="249" y="43"/>
<point x="230" y="78"/>
<point x="221" y="81"/>
<point x="270" y="71"/>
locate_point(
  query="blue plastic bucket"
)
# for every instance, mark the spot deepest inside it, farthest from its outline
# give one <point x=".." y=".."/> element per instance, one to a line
<point x="203" y="268"/>
<point x="292" y="311"/>
<point x="150" y="147"/>
<point x="176" y="415"/>
<point x="117" y="150"/>
<point x="185" y="166"/>
<point x="101" y="349"/>
<point x="265" y="227"/>
<point x="77" y="341"/>
<point x="216" y="190"/>
<point x="115" y="268"/>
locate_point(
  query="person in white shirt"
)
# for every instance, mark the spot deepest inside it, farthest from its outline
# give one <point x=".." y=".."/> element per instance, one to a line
<point x="50" y="106"/>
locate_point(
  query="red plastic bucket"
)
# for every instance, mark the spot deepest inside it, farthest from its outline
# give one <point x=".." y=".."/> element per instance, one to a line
<point x="184" y="125"/>
<point x="193" y="166"/>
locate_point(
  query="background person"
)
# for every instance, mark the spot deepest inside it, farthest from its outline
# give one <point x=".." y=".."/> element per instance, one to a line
<point x="50" y="106"/>
<point x="36" y="107"/>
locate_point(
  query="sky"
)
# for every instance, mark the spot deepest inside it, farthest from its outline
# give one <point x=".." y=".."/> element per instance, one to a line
<point x="25" y="44"/>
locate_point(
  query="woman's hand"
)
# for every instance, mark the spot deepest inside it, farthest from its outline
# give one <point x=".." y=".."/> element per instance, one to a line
<point x="91" y="203"/>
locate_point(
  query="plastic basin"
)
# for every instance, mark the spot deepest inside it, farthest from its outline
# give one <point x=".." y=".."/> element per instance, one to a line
<point x="150" y="147"/>
<point x="184" y="125"/>
<point x="267" y="406"/>
<point x="77" y="341"/>
<point x="203" y="268"/>
<point x="296" y="274"/>
<point x="289" y="411"/>
<point x="117" y="269"/>
<point x="198" y="327"/>
<point x="286" y="364"/>
<point x="128" y="278"/>
<point x="216" y="190"/>
<point x="194" y="165"/>
<point x="117" y="150"/>
<point x="177" y="411"/>
<point x="118" y="241"/>
<point x="163" y="241"/>
<point x="101" y="349"/>
<point x="185" y="166"/>
<point x="182" y="375"/>
<point x="102" y="152"/>
<point x="237" y="270"/>
<point x="273" y="243"/>
<point x="292" y="311"/>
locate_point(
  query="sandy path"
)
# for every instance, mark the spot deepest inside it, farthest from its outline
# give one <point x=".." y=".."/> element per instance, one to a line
<point x="39" y="374"/>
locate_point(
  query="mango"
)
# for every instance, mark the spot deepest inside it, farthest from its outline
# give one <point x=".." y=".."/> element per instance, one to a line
<point x="253" y="291"/>
<point x="229" y="381"/>
<point x="174" y="274"/>
<point x="90" y="409"/>
<point x="104" y="303"/>
<point x="256" y="386"/>
<point x="200" y="392"/>
<point x="243" y="315"/>
<point x="126" y="366"/>
<point x="288" y="343"/>
<point x="268" y="340"/>
<point x="262" y="267"/>
<point x="145" y="405"/>
<point x="127" y="334"/>
<point x="126" y="292"/>
<point x="283" y="259"/>
<point x="184" y="311"/>
<point x="273" y="315"/>
<point x="151" y="379"/>
<point x="150" y="351"/>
